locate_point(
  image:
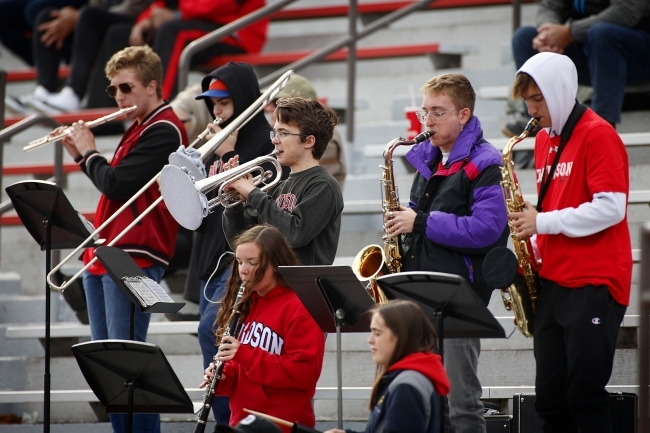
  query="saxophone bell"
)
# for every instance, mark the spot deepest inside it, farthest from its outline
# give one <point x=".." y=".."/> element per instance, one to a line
<point x="374" y="260"/>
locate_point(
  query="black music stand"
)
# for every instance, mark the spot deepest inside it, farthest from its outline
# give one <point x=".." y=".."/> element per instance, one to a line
<point x="49" y="217"/>
<point x="337" y="301"/>
<point x="120" y="265"/>
<point x="131" y="377"/>
<point x="448" y="301"/>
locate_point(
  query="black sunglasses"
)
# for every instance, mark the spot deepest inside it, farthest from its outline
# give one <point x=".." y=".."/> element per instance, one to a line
<point x="124" y="88"/>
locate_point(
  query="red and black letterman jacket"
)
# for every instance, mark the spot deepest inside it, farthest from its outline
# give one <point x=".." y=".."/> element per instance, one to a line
<point x="141" y="154"/>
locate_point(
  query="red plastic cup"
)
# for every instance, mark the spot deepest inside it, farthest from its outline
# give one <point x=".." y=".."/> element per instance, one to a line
<point x="414" y="127"/>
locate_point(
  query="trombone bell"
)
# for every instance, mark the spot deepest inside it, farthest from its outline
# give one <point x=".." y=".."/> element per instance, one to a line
<point x="184" y="201"/>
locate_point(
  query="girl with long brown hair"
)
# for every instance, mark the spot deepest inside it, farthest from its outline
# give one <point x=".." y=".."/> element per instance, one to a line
<point x="274" y="361"/>
<point x="405" y="397"/>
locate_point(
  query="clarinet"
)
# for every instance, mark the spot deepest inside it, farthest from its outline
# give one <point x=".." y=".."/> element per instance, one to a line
<point x="211" y="388"/>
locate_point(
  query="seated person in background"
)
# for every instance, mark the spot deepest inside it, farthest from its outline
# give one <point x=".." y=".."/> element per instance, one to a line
<point x="135" y="74"/>
<point x="17" y="21"/>
<point x="193" y="112"/>
<point x="608" y="41"/>
<point x="168" y="30"/>
<point x="274" y="361"/>
<point x="307" y="206"/>
<point x="411" y="379"/>
<point x="333" y="160"/>
<point x="75" y="35"/>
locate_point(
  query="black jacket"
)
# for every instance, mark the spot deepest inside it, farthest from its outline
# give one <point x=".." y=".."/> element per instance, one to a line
<point x="253" y="140"/>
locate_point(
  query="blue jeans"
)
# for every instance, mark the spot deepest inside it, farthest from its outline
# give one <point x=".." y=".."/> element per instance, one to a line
<point x="611" y="58"/>
<point x="109" y="312"/>
<point x="214" y="290"/>
<point x="461" y="363"/>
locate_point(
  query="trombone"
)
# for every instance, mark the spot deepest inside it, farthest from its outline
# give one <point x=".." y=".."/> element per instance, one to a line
<point x="207" y="149"/>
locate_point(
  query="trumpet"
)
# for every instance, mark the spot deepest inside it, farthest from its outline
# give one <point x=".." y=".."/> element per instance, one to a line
<point x="205" y="150"/>
<point x="50" y="138"/>
<point x="186" y="199"/>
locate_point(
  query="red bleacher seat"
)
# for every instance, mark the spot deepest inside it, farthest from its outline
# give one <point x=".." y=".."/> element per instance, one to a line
<point x="285" y="57"/>
<point x="40" y="169"/>
<point x="377" y="8"/>
<point x="67" y="118"/>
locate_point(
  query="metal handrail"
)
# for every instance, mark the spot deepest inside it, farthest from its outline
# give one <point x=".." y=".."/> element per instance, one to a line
<point x="349" y="40"/>
<point x="345" y="40"/>
<point x="340" y="43"/>
<point x="213" y="37"/>
<point x="28" y="122"/>
<point x="644" y="329"/>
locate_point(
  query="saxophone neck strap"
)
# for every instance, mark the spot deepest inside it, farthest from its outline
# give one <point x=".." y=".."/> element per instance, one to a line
<point x="569" y="126"/>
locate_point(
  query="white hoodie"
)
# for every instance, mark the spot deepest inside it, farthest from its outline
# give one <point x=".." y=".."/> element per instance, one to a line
<point x="557" y="79"/>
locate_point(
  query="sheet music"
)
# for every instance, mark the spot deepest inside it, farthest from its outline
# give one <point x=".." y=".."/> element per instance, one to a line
<point x="147" y="290"/>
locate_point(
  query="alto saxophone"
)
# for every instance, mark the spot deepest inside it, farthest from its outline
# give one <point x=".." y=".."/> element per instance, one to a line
<point x="375" y="260"/>
<point x="211" y="388"/>
<point x="521" y="296"/>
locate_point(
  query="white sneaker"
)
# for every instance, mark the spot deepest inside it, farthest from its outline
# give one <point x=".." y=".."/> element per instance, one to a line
<point x="65" y="100"/>
<point x="21" y="104"/>
<point x="38" y="99"/>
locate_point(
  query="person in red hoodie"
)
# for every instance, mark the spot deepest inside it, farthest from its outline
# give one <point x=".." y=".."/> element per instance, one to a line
<point x="274" y="361"/>
<point x="405" y="397"/>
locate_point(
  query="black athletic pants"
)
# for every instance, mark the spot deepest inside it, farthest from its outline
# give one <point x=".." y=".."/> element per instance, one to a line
<point x="575" y="333"/>
<point x="92" y="27"/>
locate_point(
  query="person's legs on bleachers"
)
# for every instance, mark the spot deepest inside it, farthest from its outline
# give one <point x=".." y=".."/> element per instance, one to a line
<point x="617" y="56"/>
<point x="92" y="25"/>
<point x="117" y="38"/>
<point x="15" y="30"/>
<point x="47" y="60"/>
<point x="172" y="37"/>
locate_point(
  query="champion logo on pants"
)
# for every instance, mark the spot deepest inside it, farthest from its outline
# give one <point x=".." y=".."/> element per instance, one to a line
<point x="596" y="320"/>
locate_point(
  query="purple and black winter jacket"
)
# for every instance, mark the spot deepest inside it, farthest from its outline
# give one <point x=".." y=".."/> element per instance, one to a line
<point x="461" y="213"/>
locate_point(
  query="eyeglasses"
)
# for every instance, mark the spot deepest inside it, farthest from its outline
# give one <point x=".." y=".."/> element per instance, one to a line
<point x="124" y="88"/>
<point x="281" y="135"/>
<point x="436" y="116"/>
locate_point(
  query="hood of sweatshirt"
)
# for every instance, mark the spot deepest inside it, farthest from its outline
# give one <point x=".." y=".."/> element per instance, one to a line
<point x="557" y="79"/>
<point x="242" y="83"/>
<point x="428" y="364"/>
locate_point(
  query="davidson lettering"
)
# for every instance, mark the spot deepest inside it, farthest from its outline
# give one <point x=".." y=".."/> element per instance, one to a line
<point x="256" y="334"/>
<point x="286" y="201"/>
<point x="563" y="169"/>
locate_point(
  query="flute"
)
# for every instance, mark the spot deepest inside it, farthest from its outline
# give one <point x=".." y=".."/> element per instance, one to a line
<point x="211" y="387"/>
<point x="50" y="138"/>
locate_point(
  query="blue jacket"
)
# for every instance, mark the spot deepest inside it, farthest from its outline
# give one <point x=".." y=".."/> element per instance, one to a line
<point x="461" y="213"/>
<point x="402" y="410"/>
